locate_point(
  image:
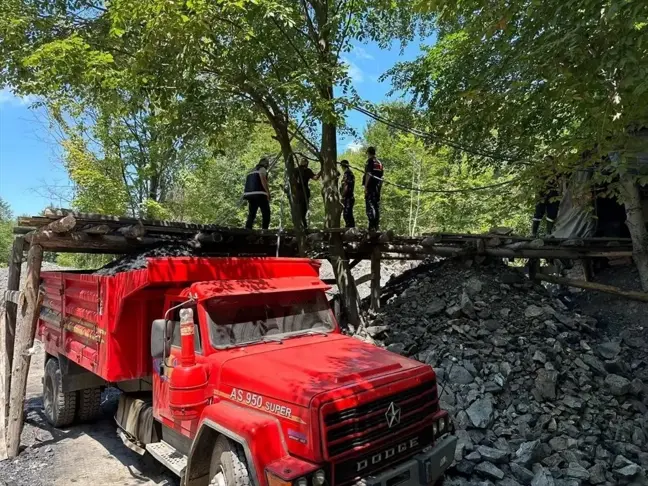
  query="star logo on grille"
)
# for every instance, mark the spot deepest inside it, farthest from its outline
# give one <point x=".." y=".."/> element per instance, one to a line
<point x="393" y="415"/>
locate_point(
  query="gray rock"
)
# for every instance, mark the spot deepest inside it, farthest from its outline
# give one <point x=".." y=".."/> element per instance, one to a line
<point x="527" y="453"/>
<point x="559" y="443"/>
<point x="627" y="472"/>
<point x="492" y="455"/>
<point x="474" y="456"/>
<point x="540" y="357"/>
<point x="573" y="402"/>
<point x="609" y="350"/>
<point x="473" y="286"/>
<point x="533" y="311"/>
<point x="398" y="348"/>
<point x="467" y="306"/>
<point x="594" y="363"/>
<point x="459" y="374"/>
<point x="434" y="307"/>
<point x="480" y="413"/>
<point x="465" y="467"/>
<point x="545" y="383"/>
<point x="489" y="470"/>
<point x="522" y="474"/>
<point x="596" y="474"/>
<point x="542" y="477"/>
<point x="617" y="385"/>
<point x="637" y="387"/>
<point x="508" y="482"/>
<point x="492" y="325"/>
<point x="575" y="470"/>
<point x="453" y="311"/>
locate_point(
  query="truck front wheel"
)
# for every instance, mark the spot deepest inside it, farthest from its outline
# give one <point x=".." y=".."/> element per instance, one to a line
<point x="59" y="407"/>
<point x="228" y="464"/>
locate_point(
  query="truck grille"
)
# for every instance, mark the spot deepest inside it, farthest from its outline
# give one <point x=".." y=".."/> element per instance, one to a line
<point x="378" y="459"/>
<point x="355" y="428"/>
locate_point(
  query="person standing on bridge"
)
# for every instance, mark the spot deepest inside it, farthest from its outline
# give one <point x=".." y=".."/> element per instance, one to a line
<point x="347" y="188"/>
<point x="304" y="176"/>
<point x="372" y="183"/>
<point x="257" y="194"/>
<point x="547" y="203"/>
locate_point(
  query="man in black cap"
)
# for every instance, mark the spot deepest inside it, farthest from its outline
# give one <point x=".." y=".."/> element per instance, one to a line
<point x="257" y="194"/>
<point x="347" y="187"/>
<point x="372" y="182"/>
<point x="304" y="176"/>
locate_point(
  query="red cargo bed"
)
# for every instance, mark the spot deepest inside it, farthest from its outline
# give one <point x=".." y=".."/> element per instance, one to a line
<point x="103" y="323"/>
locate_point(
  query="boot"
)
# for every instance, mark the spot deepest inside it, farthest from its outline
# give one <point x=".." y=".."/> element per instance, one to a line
<point x="550" y="225"/>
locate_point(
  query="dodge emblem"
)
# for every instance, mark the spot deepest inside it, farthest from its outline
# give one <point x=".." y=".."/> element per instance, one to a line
<point x="393" y="415"/>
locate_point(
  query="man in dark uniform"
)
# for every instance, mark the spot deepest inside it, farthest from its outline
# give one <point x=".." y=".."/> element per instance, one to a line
<point x="547" y="204"/>
<point x="372" y="182"/>
<point x="257" y="194"/>
<point x="304" y="176"/>
<point x="347" y="187"/>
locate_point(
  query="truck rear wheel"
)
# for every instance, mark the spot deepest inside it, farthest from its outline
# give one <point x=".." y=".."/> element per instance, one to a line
<point x="59" y="407"/>
<point x="228" y="464"/>
<point x="89" y="404"/>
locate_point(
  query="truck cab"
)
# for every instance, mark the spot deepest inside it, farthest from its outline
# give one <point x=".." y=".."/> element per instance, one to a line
<point x="252" y="382"/>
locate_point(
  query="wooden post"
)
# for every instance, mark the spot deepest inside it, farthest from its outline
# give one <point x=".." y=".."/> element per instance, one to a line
<point x="29" y="310"/>
<point x="375" y="279"/>
<point x="13" y="283"/>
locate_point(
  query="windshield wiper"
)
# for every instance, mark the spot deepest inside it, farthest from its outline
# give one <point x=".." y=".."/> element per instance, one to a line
<point x="270" y="339"/>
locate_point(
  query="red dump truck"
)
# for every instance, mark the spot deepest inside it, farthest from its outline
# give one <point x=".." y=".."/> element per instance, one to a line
<point x="234" y="372"/>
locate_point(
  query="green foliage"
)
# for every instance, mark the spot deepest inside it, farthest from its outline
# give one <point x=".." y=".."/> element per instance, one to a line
<point x="409" y="162"/>
<point x="530" y="78"/>
<point x="6" y="233"/>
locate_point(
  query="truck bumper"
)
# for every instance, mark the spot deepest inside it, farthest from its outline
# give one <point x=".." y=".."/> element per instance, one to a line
<point x="422" y="470"/>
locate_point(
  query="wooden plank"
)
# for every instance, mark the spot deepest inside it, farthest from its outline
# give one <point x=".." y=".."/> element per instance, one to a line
<point x="29" y="311"/>
<point x="63" y="225"/>
<point x="582" y="284"/>
<point x="375" y="280"/>
<point x="5" y="380"/>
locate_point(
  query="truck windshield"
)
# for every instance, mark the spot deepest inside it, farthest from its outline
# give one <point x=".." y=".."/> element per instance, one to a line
<point x="262" y="317"/>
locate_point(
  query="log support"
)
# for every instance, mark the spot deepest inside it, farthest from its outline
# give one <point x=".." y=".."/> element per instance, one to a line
<point x="375" y="279"/>
<point x="28" y="312"/>
<point x="582" y="284"/>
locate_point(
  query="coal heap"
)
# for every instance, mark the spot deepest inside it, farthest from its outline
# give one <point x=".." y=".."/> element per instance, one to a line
<point x="137" y="261"/>
<point x="540" y="394"/>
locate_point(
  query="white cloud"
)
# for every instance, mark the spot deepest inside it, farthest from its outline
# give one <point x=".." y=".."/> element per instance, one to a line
<point x="355" y="73"/>
<point x="361" y="53"/>
<point x="7" y="97"/>
<point x="355" y="146"/>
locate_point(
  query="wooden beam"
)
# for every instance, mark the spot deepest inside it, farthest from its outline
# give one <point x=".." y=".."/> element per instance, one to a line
<point x="582" y="284"/>
<point x="13" y="283"/>
<point x="375" y="279"/>
<point x="63" y="225"/>
<point x="5" y="380"/>
<point x="29" y="311"/>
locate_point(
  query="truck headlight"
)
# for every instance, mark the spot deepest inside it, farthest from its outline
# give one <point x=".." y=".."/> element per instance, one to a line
<point x="301" y="482"/>
<point x="319" y="478"/>
<point x="442" y="425"/>
<point x="435" y="429"/>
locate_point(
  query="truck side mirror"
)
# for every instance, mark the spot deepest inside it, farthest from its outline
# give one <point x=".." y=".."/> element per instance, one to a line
<point x="161" y="340"/>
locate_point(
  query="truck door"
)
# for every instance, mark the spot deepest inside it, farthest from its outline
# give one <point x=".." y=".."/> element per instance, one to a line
<point x="162" y="371"/>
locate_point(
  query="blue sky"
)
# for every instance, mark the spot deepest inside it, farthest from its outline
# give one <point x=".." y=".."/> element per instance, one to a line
<point x="31" y="176"/>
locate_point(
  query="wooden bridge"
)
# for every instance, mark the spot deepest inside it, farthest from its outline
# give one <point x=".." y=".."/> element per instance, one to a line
<point x="63" y="230"/>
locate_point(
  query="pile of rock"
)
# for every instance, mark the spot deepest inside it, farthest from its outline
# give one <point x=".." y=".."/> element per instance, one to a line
<point x="539" y="394"/>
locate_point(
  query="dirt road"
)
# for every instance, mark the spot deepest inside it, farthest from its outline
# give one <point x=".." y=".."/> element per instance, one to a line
<point x="83" y="455"/>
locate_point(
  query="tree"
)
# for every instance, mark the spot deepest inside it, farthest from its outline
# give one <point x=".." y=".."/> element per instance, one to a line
<point x="6" y="232"/>
<point x="526" y="79"/>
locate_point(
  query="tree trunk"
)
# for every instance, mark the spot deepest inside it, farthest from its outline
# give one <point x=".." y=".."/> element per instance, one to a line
<point x="333" y="209"/>
<point x="29" y="311"/>
<point x="291" y="173"/>
<point x="635" y="221"/>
